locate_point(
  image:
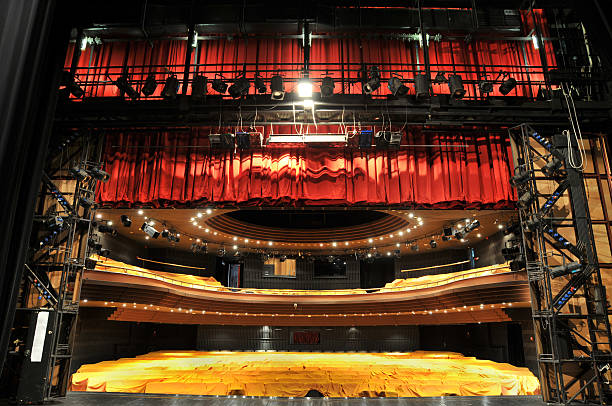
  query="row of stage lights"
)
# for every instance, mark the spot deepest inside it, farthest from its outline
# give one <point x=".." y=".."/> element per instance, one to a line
<point x="240" y="87"/>
<point x="464" y="308"/>
<point x="459" y="231"/>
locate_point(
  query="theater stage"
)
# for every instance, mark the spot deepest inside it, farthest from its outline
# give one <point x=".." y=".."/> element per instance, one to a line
<point x="115" y="399"/>
<point x="294" y="374"/>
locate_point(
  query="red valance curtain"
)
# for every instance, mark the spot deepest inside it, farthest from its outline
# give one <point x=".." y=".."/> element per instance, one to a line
<point x="177" y="168"/>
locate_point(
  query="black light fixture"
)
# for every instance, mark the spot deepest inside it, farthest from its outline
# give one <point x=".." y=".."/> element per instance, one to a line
<point x="485" y="87"/>
<point x="79" y="173"/>
<point x="525" y="200"/>
<point x="433" y="243"/>
<point x="396" y="87"/>
<point x="277" y="87"/>
<point x="219" y="85"/>
<point x="373" y="82"/>
<point x="551" y="168"/>
<point x="365" y="138"/>
<point x="69" y="81"/>
<point x="260" y="86"/>
<point x="86" y="202"/>
<point x="123" y="84"/>
<point x="171" y="87"/>
<point x="520" y="177"/>
<point x="567" y="269"/>
<point x="98" y="174"/>
<point x="327" y="86"/>
<point x="240" y="87"/>
<point x="243" y="140"/>
<point x="150" y="85"/>
<point x="421" y="86"/>
<point x="198" y="87"/>
<point x="508" y="84"/>
<point x="126" y="221"/>
<point x="149" y="230"/>
<point x="105" y="229"/>
<point x="414" y="247"/>
<point x="455" y="85"/>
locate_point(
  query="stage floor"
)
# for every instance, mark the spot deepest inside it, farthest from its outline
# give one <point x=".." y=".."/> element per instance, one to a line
<point x="115" y="399"/>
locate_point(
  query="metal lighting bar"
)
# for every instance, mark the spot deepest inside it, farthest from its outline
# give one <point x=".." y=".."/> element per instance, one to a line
<point x="308" y="138"/>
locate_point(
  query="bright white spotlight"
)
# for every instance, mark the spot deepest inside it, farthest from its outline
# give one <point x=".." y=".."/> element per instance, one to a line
<point x="304" y="88"/>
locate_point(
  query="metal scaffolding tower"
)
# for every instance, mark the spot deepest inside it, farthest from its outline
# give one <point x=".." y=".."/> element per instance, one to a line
<point x="568" y="298"/>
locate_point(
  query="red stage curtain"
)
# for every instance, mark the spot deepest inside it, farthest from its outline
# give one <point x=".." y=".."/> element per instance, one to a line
<point x="180" y="173"/>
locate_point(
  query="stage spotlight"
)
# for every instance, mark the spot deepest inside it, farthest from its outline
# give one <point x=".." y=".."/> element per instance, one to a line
<point x="277" y="87"/>
<point x="198" y="87"/>
<point x="396" y="87"/>
<point x="509" y="253"/>
<point x="485" y="87"/>
<point x="433" y="244"/>
<point x="507" y="85"/>
<point x="460" y="234"/>
<point x="239" y="88"/>
<point x="90" y="264"/>
<point x="520" y="177"/>
<point x="472" y="226"/>
<point x="79" y="173"/>
<point x="414" y="247"/>
<point x="98" y="174"/>
<point x="150" y="85"/>
<point x="304" y="87"/>
<point x="365" y="139"/>
<point x="551" y="168"/>
<point x="260" y="85"/>
<point x="447" y="237"/>
<point x="525" y="200"/>
<point x="149" y="230"/>
<point x="126" y="221"/>
<point x="282" y="258"/>
<point x="69" y="81"/>
<point x="373" y="82"/>
<point x="104" y="229"/>
<point x="219" y="85"/>
<point x="455" y="85"/>
<point x="54" y="222"/>
<point x="86" y="202"/>
<point x="566" y="269"/>
<point x="421" y="86"/>
<point x="171" y="87"/>
<point x="123" y="85"/>
<point x="327" y="87"/>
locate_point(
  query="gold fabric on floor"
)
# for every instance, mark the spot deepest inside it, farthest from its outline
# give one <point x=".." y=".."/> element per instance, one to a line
<point x="417" y="373"/>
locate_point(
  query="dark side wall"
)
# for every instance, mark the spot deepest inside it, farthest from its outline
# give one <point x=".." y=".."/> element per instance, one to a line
<point x="98" y="339"/>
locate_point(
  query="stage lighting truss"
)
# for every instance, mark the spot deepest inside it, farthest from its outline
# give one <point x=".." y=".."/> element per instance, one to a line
<point x="57" y="195"/>
<point x="545" y="240"/>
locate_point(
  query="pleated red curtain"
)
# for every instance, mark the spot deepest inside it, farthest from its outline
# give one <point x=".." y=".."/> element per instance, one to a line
<point x="461" y="170"/>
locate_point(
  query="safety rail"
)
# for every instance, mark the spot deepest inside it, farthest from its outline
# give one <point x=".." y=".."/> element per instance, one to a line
<point x="297" y="292"/>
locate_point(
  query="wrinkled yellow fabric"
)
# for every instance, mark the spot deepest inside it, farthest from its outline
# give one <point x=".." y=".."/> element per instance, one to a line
<point x="285" y="374"/>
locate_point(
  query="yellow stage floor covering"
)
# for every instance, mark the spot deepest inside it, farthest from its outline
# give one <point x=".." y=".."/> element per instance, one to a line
<point x="287" y="374"/>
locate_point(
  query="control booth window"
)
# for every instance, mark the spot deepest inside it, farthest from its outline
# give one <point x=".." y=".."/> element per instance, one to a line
<point x="329" y="268"/>
<point x="281" y="267"/>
